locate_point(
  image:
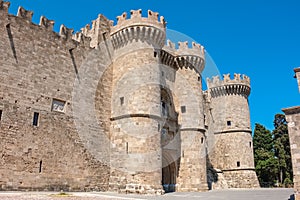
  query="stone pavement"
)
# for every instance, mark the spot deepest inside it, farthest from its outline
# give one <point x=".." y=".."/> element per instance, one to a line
<point x="234" y="194"/>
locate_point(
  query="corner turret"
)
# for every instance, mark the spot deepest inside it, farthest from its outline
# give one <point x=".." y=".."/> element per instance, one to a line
<point x="229" y="116"/>
<point x="148" y="29"/>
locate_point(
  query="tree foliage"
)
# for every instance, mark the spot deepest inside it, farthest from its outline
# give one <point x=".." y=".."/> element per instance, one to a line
<point x="272" y="155"/>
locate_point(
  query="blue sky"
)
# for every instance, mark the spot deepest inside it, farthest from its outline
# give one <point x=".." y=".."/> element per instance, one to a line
<point x="257" y="38"/>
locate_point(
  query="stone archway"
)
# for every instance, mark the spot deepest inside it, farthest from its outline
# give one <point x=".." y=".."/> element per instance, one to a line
<point x="169" y="172"/>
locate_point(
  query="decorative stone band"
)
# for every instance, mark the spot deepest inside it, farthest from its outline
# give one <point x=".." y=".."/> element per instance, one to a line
<point x="156" y="117"/>
<point x="234" y="131"/>
<point x="202" y="130"/>
<point x="230" y="89"/>
<point x="150" y="34"/>
<point x="238" y="169"/>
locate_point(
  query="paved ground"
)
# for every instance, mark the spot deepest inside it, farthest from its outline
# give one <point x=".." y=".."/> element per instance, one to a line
<point x="255" y="194"/>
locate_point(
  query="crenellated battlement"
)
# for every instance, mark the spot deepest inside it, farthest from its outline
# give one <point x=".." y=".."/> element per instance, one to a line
<point x="25" y="14"/>
<point x="240" y="84"/>
<point x="185" y="56"/>
<point x="46" y="23"/>
<point x="136" y="19"/>
<point x="237" y="79"/>
<point x="148" y="29"/>
<point x="66" y="34"/>
<point x="4" y="6"/>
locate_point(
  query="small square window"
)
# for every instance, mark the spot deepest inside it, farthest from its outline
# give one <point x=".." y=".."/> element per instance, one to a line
<point x="35" y="121"/>
<point x="58" y="105"/>
<point x="183" y="109"/>
<point x="228" y="123"/>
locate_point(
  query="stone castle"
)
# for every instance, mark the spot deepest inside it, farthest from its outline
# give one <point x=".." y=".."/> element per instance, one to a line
<point x="117" y="108"/>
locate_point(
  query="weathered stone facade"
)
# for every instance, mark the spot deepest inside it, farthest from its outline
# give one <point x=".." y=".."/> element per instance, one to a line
<point x="114" y="107"/>
<point x="293" y="118"/>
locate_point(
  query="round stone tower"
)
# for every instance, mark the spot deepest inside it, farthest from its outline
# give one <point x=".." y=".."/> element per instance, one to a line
<point x="188" y="91"/>
<point x="232" y="149"/>
<point x="136" y="157"/>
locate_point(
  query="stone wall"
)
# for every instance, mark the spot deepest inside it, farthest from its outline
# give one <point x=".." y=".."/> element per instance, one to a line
<point x="230" y="140"/>
<point x="293" y="119"/>
<point x="114" y="108"/>
<point x="38" y="72"/>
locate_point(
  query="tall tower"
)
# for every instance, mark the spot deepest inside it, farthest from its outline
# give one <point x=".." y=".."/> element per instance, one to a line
<point x="136" y="158"/>
<point x="229" y="124"/>
<point x="188" y="89"/>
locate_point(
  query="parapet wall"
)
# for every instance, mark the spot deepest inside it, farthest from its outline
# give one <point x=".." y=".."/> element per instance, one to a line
<point x="239" y="85"/>
<point x="136" y="19"/>
<point x="65" y="34"/>
<point x="137" y="28"/>
<point x="38" y="69"/>
<point x="192" y="57"/>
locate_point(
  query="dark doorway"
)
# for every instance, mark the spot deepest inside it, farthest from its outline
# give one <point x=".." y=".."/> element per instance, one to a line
<point x="169" y="177"/>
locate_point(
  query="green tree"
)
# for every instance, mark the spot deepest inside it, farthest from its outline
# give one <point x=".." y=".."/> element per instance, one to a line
<point x="282" y="149"/>
<point x="266" y="164"/>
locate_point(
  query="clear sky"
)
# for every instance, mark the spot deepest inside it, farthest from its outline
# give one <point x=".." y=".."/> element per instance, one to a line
<point x="260" y="38"/>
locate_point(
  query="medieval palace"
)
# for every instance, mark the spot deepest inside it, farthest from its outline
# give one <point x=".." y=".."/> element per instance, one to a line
<point x="117" y="107"/>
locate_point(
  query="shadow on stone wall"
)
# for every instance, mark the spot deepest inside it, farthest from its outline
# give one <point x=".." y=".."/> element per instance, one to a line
<point x="212" y="175"/>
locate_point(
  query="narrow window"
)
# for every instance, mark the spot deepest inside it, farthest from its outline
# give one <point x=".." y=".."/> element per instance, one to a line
<point x="250" y="144"/>
<point x="0" y="115"/>
<point x="127" y="147"/>
<point x="238" y="164"/>
<point x="35" y="119"/>
<point x="40" y="169"/>
<point x="199" y="78"/>
<point x="202" y="140"/>
<point x="121" y="100"/>
<point x="182" y="154"/>
<point x="155" y="54"/>
<point x="228" y="123"/>
<point x="164" y="109"/>
<point x="183" y="109"/>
